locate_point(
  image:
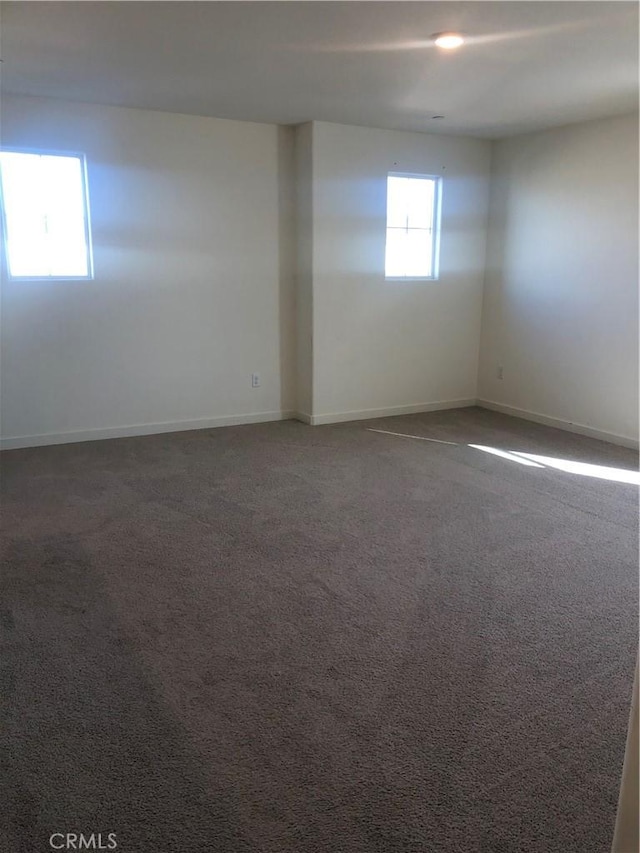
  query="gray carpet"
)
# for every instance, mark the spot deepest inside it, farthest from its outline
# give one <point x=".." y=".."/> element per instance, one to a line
<point x="285" y="639"/>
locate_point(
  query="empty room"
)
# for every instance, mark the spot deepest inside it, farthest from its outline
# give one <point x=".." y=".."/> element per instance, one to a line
<point x="319" y="427"/>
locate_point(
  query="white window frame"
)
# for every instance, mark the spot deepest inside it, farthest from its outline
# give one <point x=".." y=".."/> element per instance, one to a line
<point x="87" y="217"/>
<point x="435" y="235"/>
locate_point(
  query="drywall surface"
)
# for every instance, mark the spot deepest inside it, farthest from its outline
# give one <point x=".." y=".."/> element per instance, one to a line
<point x="287" y="266"/>
<point x="190" y="282"/>
<point x="304" y="269"/>
<point x="561" y="294"/>
<point x="390" y="346"/>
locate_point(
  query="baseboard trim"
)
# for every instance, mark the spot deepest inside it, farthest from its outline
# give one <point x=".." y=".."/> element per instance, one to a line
<point x="14" y="443"/>
<point x="17" y="442"/>
<point x="368" y="414"/>
<point x="558" y="423"/>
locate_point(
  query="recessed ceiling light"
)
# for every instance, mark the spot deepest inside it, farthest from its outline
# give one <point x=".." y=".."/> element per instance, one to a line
<point x="448" y="41"/>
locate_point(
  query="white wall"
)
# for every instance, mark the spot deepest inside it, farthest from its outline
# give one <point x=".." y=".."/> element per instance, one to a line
<point x="561" y="293"/>
<point x="304" y="269"/>
<point x="388" y="346"/>
<point x="193" y="279"/>
<point x="287" y="267"/>
<point x="223" y="247"/>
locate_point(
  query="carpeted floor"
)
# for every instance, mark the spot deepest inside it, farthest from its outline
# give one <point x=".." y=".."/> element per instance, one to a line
<point x="285" y="639"/>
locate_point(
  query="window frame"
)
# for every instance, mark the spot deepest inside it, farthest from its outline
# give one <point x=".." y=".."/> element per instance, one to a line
<point x="47" y="152"/>
<point x="436" y="222"/>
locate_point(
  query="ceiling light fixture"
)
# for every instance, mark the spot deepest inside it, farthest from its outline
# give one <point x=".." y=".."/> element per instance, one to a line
<point x="448" y="41"/>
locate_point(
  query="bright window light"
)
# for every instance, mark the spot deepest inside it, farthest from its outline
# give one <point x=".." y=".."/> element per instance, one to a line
<point x="45" y="213"/>
<point x="412" y="226"/>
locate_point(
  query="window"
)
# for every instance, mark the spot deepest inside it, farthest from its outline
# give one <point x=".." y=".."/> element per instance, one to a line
<point x="413" y="210"/>
<point x="45" y="213"/>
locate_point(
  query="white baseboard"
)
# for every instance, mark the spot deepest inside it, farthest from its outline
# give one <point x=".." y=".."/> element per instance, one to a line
<point x="568" y="426"/>
<point x="367" y="414"/>
<point x="13" y="443"/>
<point x="16" y="442"/>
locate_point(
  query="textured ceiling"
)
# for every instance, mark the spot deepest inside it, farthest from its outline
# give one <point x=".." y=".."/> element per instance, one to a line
<point x="526" y="66"/>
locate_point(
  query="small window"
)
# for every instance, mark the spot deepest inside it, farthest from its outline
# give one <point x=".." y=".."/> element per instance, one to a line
<point x="413" y="206"/>
<point x="46" y="215"/>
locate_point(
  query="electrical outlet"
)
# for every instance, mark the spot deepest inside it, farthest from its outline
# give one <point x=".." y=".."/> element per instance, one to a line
<point x="499" y="372"/>
<point x="255" y="380"/>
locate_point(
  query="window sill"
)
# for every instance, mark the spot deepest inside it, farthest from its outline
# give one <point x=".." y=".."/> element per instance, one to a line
<point x="25" y="278"/>
<point x="411" y="278"/>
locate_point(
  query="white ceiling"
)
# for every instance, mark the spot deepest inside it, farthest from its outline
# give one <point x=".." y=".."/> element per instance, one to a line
<point x="526" y="66"/>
